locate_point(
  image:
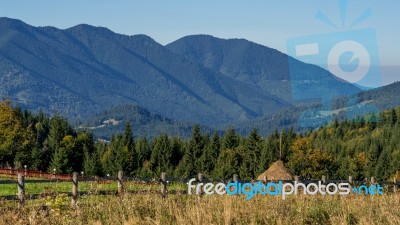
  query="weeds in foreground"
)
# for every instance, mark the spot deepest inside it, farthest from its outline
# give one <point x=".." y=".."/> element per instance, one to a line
<point x="185" y="209"/>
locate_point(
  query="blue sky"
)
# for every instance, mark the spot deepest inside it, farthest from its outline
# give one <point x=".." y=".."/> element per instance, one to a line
<point x="267" y="22"/>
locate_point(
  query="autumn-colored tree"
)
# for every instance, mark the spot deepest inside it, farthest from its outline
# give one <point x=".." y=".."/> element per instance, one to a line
<point x="15" y="140"/>
<point x="309" y="162"/>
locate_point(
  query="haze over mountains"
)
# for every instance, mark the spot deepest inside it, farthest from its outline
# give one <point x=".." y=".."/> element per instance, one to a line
<point x="84" y="70"/>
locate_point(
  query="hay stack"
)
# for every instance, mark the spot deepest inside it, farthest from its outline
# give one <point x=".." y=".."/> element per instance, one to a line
<point x="277" y="171"/>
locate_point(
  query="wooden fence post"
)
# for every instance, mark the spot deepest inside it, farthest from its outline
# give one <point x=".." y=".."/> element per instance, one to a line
<point x="74" y="188"/>
<point x="372" y="180"/>
<point x="265" y="179"/>
<point x="163" y="184"/>
<point x="350" y="180"/>
<point x="324" y="179"/>
<point x="296" y="178"/>
<point x="120" y="182"/>
<point x="395" y="185"/>
<point x="21" y="190"/>
<point x="200" y="180"/>
<point x="235" y="178"/>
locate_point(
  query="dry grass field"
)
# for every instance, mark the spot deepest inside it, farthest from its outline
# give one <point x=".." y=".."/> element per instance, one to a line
<point x="189" y="209"/>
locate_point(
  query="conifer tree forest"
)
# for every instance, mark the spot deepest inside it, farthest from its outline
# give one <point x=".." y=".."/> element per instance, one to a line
<point x="368" y="147"/>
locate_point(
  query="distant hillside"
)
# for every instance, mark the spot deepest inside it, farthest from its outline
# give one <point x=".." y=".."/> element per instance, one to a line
<point x="144" y="123"/>
<point x="385" y="97"/>
<point x="263" y="67"/>
<point x="85" y="69"/>
<point x="313" y="116"/>
<point x="374" y="100"/>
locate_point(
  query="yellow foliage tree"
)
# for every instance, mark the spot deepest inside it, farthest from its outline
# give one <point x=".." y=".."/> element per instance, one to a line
<point x="14" y="138"/>
<point x="307" y="161"/>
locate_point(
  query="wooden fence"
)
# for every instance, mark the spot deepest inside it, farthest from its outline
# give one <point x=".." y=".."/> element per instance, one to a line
<point x="75" y="178"/>
<point x="35" y="173"/>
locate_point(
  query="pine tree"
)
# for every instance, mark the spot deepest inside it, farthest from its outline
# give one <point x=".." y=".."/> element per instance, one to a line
<point x="393" y="117"/>
<point x="128" y="137"/>
<point x="210" y="155"/>
<point x="76" y="151"/>
<point x="191" y="159"/>
<point x="60" y="162"/>
<point x="395" y="162"/>
<point x="372" y="124"/>
<point x="37" y="162"/>
<point x="372" y="155"/>
<point x="143" y="152"/>
<point x="230" y="140"/>
<point x="114" y="158"/>
<point x="382" y="169"/>
<point x="251" y="155"/>
<point x="59" y="128"/>
<point x="177" y="151"/>
<point x="41" y="154"/>
<point x="229" y="163"/>
<point x="130" y="165"/>
<point x="161" y="156"/>
<point x="91" y="163"/>
<point x="266" y="157"/>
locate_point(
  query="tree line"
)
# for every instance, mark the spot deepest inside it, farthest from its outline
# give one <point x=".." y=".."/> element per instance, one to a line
<point x="363" y="147"/>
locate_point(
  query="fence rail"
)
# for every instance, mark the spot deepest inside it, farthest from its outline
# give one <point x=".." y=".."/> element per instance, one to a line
<point x="75" y="178"/>
<point x="35" y="173"/>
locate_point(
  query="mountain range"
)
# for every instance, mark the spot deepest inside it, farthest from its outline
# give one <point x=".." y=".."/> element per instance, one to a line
<point x="85" y="70"/>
